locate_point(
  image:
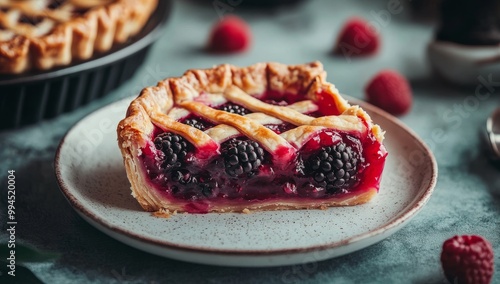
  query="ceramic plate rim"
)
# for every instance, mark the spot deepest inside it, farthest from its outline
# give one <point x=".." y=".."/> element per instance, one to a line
<point x="416" y="205"/>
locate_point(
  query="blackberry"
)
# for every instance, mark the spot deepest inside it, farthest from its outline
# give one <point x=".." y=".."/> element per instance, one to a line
<point x="242" y="157"/>
<point x="174" y="148"/>
<point x="276" y="103"/>
<point x="334" y="167"/>
<point x="196" y="123"/>
<point x="234" y="108"/>
<point x="200" y="185"/>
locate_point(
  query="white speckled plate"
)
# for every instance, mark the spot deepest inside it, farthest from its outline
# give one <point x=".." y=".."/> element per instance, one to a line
<point x="91" y="175"/>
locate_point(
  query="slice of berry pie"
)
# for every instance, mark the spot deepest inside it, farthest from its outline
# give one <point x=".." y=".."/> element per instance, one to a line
<point x="264" y="137"/>
<point x="42" y="34"/>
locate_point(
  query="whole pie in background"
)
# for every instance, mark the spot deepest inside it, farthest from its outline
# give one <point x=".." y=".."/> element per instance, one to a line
<point x="43" y="34"/>
<point x="265" y="137"/>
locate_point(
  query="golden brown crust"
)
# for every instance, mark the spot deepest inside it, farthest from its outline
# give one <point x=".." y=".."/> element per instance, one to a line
<point x="14" y="56"/>
<point x="69" y="39"/>
<point x="237" y="84"/>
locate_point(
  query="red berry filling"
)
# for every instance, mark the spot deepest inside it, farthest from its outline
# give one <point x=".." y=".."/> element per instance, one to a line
<point x="390" y="91"/>
<point x="328" y="164"/>
<point x="324" y="167"/>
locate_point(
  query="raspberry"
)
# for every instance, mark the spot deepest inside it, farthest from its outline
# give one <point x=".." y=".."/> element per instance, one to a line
<point x="467" y="259"/>
<point x="231" y="34"/>
<point x="390" y="91"/>
<point x="174" y="148"/>
<point x="357" y="39"/>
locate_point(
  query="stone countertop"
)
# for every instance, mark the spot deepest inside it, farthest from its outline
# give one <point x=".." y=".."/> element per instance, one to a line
<point x="466" y="199"/>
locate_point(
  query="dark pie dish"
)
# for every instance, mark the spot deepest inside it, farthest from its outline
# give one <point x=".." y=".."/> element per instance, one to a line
<point x="237" y="139"/>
